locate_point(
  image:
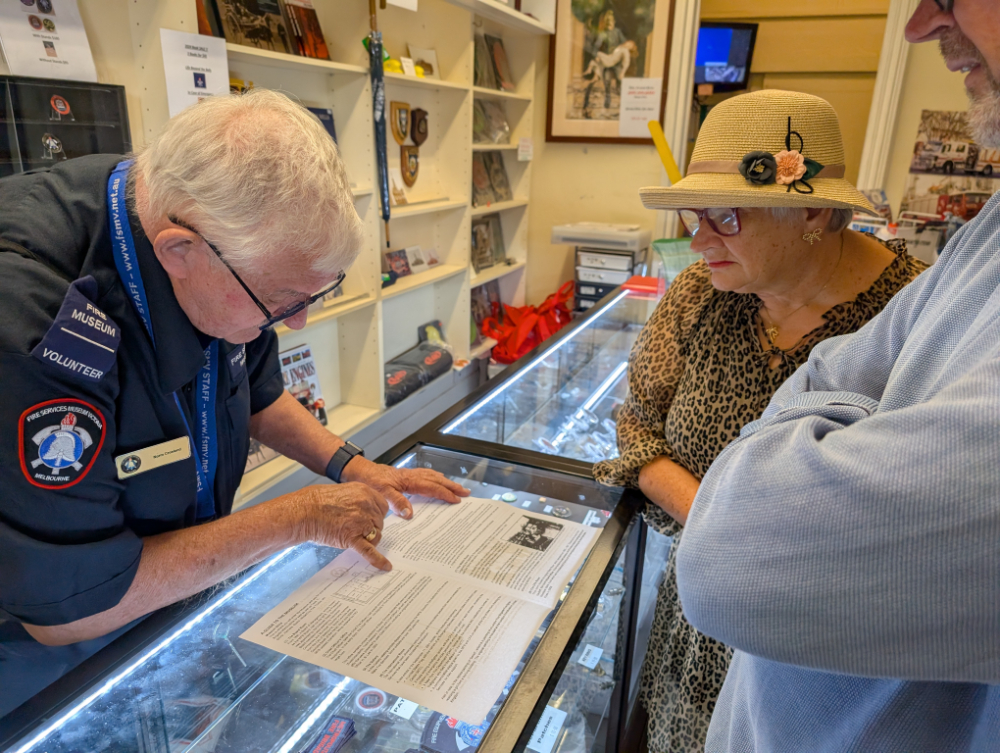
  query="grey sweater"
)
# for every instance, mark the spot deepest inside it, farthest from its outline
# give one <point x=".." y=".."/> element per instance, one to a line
<point x="848" y="543"/>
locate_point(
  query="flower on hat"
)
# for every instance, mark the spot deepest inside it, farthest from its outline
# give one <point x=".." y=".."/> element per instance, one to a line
<point x="791" y="166"/>
<point x="759" y="168"/>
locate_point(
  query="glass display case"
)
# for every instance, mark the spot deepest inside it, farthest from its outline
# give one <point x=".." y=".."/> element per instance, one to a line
<point x="43" y="121"/>
<point x="564" y="401"/>
<point x="198" y="686"/>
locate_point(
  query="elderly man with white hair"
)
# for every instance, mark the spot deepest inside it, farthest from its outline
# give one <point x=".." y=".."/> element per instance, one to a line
<point x="138" y="358"/>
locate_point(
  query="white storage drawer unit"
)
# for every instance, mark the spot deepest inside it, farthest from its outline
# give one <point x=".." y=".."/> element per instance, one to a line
<point x="587" y="257"/>
<point x="602" y="276"/>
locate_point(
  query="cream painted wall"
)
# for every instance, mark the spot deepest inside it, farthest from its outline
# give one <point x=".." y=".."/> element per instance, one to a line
<point x="927" y="85"/>
<point x="578" y="183"/>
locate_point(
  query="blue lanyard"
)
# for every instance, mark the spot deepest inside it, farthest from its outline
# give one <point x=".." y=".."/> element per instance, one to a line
<point x="204" y="439"/>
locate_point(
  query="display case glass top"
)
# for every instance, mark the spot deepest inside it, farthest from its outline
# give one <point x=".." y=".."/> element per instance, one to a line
<point x="200" y="687"/>
<point x="565" y="401"/>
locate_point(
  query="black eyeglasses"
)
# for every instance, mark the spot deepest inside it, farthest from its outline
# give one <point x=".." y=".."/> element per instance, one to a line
<point x="271" y="319"/>
<point x="946" y="6"/>
<point x="724" y="221"/>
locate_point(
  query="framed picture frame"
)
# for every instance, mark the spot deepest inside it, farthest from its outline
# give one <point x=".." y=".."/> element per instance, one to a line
<point x="594" y="47"/>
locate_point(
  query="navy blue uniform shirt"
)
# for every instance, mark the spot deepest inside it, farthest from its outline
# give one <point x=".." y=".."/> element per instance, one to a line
<point x="83" y="385"/>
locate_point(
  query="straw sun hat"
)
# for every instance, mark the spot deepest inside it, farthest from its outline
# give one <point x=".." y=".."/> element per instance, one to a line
<point x="765" y="149"/>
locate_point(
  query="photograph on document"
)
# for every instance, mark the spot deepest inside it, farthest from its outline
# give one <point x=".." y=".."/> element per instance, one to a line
<point x="536" y="533"/>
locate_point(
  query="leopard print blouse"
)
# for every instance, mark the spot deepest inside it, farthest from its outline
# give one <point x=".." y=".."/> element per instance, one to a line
<point x="697" y="374"/>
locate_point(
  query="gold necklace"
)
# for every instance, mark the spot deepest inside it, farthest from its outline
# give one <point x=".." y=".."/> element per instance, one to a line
<point x="773" y="331"/>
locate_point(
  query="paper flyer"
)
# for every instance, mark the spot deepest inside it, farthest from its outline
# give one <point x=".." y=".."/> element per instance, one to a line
<point x="45" y="39"/>
<point x="195" y="67"/>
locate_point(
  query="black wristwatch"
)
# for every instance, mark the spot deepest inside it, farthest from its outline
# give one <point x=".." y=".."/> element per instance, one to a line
<point x="340" y="459"/>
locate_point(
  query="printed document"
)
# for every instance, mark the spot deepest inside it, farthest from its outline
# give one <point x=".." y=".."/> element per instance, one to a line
<point x="471" y="584"/>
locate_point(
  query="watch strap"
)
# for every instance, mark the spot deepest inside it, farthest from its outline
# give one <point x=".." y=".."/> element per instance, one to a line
<point x="344" y="455"/>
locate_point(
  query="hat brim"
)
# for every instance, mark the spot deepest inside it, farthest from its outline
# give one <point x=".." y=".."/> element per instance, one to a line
<point x="704" y="190"/>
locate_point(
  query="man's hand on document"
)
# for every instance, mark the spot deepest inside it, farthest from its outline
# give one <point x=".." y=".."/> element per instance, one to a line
<point x="343" y="516"/>
<point x="393" y="482"/>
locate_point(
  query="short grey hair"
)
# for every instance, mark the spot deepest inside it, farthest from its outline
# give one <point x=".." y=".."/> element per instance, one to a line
<point x="839" y="219"/>
<point x="259" y="176"/>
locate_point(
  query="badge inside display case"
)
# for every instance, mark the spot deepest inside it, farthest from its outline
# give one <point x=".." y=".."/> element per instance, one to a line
<point x="44" y="120"/>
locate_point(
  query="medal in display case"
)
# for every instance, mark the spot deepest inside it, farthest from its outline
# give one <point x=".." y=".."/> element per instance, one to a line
<point x="45" y="120"/>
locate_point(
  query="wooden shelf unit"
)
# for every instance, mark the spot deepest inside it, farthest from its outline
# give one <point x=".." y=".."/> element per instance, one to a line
<point x="352" y="337"/>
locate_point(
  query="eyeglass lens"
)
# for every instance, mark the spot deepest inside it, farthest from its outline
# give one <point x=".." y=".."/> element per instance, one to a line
<point x="724" y="221"/>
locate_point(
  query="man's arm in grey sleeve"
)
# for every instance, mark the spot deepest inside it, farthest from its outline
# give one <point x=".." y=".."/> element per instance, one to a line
<point x="849" y="540"/>
<point x="861" y="362"/>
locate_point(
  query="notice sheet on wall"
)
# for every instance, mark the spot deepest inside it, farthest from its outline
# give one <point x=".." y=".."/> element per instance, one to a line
<point x="45" y="39"/>
<point x="195" y="66"/>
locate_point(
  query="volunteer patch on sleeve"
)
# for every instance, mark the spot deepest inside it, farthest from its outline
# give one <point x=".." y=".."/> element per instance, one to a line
<point x="59" y="442"/>
<point x="82" y="340"/>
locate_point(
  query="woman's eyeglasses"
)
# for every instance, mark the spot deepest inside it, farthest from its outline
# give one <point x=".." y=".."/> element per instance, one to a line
<point x="271" y="319"/>
<point x="721" y="220"/>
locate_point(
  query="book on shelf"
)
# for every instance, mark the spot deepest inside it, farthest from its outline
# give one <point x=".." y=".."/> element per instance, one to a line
<point x="304" y="31"/>
<point x="490" y="183"/>
<point x="208" y="18"/>
<point x="501" y="66"/>
<point x="483" y="298"/>
<point x="397" y="262"/>
<point x="482" y="189"/>
<point x="259" y="24"/>
<point x="302" y="381"/>
<point x="484" y="75"/>
<point x="498" y="176"/>
<point x="489" y="123"/>
<point x="419" y="259"/>
<point x="487" y="242"/>
<point x="258" y="455"/>
<point x="325" y="116"/>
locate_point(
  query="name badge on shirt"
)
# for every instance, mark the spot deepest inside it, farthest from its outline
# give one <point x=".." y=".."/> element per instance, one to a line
<point x="133" y="463"/>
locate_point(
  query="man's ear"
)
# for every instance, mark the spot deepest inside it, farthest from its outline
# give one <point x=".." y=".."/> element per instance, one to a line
<point x="175" y="248"/>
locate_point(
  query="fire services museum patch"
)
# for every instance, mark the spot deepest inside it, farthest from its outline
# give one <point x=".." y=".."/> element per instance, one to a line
<point x="59" y="442"/>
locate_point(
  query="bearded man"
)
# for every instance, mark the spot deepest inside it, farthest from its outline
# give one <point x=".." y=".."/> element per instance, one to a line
<point x="848" y="543"/>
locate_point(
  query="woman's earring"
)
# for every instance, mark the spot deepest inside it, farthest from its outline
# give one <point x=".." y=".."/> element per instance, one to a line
<point x="815" y="235"/>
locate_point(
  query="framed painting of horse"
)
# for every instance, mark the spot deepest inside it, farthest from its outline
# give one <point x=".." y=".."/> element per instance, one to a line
<point x="598" y="43"/>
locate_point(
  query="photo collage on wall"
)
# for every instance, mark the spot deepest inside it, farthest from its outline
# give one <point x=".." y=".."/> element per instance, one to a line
<point x="951" y="179"/>
<point x="949" y="172"/>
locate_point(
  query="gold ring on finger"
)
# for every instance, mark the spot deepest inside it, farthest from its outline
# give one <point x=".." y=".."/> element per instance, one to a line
<point x="371" y="536"/>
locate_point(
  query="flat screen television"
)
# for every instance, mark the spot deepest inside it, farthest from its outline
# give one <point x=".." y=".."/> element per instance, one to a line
<point x="724" y="54"/>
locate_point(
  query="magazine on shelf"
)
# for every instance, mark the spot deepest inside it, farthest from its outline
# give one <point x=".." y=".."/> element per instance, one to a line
<point x="482" y="188"/>
<point x="398" y="262"/>
<point x="258" y="455"/>
<point x="304" y="31"/>
<point x="501" y="66"/>
<point x="489" y="123"/>
<point x="259" y="24"/>
<point x="484" y="76"/>
<point x="493" y="161"/>
<point x="325" y="116"/>
<point x="302" y="381"/>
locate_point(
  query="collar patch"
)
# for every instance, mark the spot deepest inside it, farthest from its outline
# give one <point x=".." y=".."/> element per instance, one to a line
<point x="59" y="440"/>
<point x="238" y="363"/>
<point x="82" y="340"/>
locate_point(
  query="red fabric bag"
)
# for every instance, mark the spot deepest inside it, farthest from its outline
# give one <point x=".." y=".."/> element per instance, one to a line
<point x="524" y="327"/>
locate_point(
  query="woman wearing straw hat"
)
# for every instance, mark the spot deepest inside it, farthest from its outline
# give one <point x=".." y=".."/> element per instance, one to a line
<point x="767" y="206"/>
